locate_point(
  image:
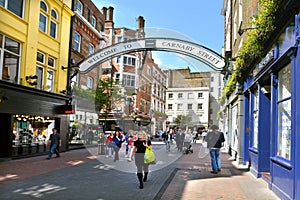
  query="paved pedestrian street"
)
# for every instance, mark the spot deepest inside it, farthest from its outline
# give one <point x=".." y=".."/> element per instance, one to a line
<point x="83" y="174"/>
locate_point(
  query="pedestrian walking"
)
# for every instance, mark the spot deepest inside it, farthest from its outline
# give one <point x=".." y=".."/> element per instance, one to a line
<point x="214" y="139"/>
<point x="118" y="139"/>
<point x="138" y="152"/>
<point x="168" y="139"/>
<point x="109" y="145"/>
<point x="55" y="143"/>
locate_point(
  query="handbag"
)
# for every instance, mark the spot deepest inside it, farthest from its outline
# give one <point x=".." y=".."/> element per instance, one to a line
<point x="149" y="157"/>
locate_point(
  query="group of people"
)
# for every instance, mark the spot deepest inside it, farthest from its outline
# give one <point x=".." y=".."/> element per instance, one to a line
<point x="136" y="144"/>
<point x="179" y="136"/>
<point x="113" y="143"/>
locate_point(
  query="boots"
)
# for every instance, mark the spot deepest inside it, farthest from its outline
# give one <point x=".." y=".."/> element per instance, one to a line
<point x="140" y="177"/>
<point x="145" y="176"/>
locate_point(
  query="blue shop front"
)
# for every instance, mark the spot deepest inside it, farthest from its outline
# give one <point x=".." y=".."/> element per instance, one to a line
<point x="272" y="109"/>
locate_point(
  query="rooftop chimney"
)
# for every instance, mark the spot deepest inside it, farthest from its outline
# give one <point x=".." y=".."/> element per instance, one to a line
<point x="141" y="22"/>
<point x="110" y="13"/>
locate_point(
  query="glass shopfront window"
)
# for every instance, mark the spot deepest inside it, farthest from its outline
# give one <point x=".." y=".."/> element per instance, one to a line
<point x="284" y="113"/>
<point x="30" y="134"/>
<point x="255" y="120"/>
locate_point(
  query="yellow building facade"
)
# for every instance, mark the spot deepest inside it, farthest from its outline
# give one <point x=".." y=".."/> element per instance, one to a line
<point x="27" y="30"/>
<point x="34" y="60"/>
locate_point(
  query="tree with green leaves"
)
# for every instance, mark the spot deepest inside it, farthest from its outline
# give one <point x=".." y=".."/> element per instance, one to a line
<point x="183" y="120"/>
<point x="108" y="96"/>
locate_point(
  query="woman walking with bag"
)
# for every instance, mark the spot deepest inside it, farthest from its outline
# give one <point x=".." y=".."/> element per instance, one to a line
<point x="138" y="152"/>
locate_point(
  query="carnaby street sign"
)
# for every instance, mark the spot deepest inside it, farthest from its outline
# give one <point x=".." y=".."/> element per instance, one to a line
<point x="196" y="51"/>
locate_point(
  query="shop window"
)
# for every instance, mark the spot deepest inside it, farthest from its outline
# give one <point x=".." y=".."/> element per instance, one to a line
<point x="284" y="113"/>
<point x="10" y="60"/>
<point x="30" y="133"/>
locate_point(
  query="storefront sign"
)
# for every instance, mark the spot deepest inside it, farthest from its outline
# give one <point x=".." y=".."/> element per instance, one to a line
<point x="205" y="55"/>
<point x="264" y="62"/>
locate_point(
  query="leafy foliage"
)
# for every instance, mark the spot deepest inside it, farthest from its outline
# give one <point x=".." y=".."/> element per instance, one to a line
<point x="86" y="94"/>
<point x="183" y="120"/>
<point x="253" y="47"/>
<point x="108" y="95"/>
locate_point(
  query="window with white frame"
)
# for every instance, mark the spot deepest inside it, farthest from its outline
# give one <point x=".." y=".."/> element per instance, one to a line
<point x="190" y="106"/>
<point x="128" y="61"/>
<point x="91" y="49"/>
<point x="45" y="64"/>
<point x="15" y="6"/>
<point x="9" y="59"/>
<point x="89" y="82"/>
<point x="170" y="95"/>
<point x="50" y="81"/>
<point x="284" y="113"/>
<point x="200" y="95"/>
<point x="44" y="20"/>
<point x="118" y="59"/>
<point x="79" y="7"/>
<point x="94" y="22"/>
<point x="190" y="95"/>
<point x="128" y="80"/>
<point x="43" y="17"/>
<point x="53" y="23"/>
<point x="180" y="95"/>
<point x="40" y="77"/>
<point x="77" y="41"/>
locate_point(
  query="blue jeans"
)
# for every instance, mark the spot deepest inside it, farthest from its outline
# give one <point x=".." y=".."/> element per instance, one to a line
<point x="53" y="149"/>
<point x="215" y="159"/>
<point x="109" y="147"/>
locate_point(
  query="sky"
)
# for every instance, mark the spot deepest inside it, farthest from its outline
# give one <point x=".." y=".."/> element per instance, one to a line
<point x="199" y="21"/>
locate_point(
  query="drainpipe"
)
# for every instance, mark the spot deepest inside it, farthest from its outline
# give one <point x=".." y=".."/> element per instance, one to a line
<point x="69" y="92"/>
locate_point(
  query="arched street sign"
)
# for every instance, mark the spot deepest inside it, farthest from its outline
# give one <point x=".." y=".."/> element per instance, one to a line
<point x="196" y="51"/>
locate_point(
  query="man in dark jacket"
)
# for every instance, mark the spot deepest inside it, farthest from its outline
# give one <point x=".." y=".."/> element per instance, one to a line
<point x="214" y="141"/>
<point x="55" y="143"/>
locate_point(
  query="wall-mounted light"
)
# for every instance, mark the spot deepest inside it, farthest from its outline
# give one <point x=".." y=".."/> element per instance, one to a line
<point x="31" y="80"/>
<point x="242" y="30"/>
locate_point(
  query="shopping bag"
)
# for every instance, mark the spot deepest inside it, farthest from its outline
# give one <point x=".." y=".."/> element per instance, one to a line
<point x="149" y="157"/>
